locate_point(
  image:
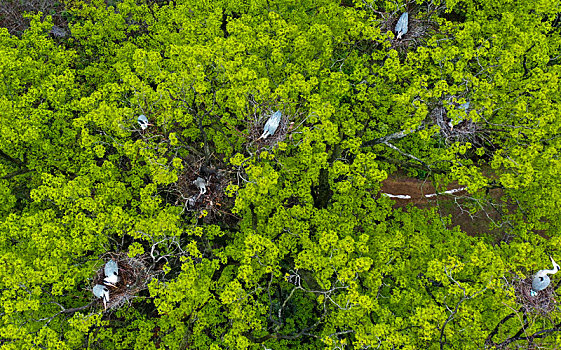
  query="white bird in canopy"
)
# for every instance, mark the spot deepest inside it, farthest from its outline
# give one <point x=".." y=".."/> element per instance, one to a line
<point x="111" y="273"/>
<point x="271" y="125"/>
<point x="201" y="184"/>
<point x="464" y="106"/>
<point x="402" y="24"/>
<point x="143" y="121"/>
<point x="541" y="279"/>
<point x="101" y="291"/>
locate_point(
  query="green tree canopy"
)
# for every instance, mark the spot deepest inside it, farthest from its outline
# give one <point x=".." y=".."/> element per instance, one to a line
<point x="292" y="243"/>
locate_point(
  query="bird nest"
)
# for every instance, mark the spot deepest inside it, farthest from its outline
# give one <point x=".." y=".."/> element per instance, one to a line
<point x="257" y="123"/>
<point x="134" y="276"/>
<point x="213" y="200"/>
<point x="543" y="303"/>
<point x="417" y="29"/>
<point x="466" y="130"/>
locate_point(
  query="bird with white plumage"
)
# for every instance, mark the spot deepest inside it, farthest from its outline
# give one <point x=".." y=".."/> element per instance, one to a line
<point x="541" y="279"/>
<point x="143" y="121"/>
<point x="111" y="273"/>
<point x="101" y="291"/>
<point x="271" y="125"/>
<point x="402" y="25"/>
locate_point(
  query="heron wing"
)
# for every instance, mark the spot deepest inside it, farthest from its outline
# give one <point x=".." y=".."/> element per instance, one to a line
<point x="402" y="24"/>
<point x="99" y="290"/>
<point x="540" y="282"/>
<point x="111" y="268"/>
<point x="272" y="123"/>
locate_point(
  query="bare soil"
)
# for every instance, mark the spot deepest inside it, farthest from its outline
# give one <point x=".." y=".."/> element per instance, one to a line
<point x="455" y="205"/>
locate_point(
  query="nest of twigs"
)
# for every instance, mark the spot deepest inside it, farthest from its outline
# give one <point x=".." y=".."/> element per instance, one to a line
<point x="543" y="303"/>
<point x="466" y="130"/>
<point x="134" y="276"/>
<point x="257" y="123"/>
<point x="417" y="29"/>
<point x="214" y="200"/>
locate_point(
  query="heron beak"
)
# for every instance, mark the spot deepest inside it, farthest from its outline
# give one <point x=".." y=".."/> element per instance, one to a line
<point x="555" y="265"/>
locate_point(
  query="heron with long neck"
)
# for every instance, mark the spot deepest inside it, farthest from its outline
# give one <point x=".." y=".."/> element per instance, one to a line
<point x="541" y="279"/>
<point x="111" y="270"/>
<point x="101" y="291"/>
<point x="402" y="25"/>
<point x="271" y="125"/>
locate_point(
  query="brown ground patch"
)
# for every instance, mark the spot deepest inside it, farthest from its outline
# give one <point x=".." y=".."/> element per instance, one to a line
<point x="474" y="222"/>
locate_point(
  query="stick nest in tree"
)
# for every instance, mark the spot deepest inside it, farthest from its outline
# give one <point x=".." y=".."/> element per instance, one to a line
<point x="465" y="130"/>
<point x="417" y="29"/>
<point x="134" y="276"/>
<point x="214" y="200"/>
<point x="543" y="303"/>
<point x="257" y="122"/>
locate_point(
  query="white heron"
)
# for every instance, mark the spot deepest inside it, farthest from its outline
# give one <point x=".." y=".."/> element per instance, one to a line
<point x="111" y="273"/>
<point x="143" y="121"/>
<point x="201" y="184"/>
<point x="101" y="291"/>
<point x="402" y="25"/>
<point x="541" y="279"/>
<point x="464" y="106"/>
<point x="271" y="125"/>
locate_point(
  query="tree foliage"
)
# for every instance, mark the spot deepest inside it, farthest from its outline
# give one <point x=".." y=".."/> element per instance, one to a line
<point x="293" y="245"/>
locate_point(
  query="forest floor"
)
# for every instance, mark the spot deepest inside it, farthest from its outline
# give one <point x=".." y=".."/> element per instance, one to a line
<point x="414" y="192"/>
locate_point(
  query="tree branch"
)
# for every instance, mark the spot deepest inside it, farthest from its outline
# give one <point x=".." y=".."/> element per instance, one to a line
<point x="16" y="161"/>
<point x="489" y="340"/>
<point x="394" y="136"/>
<point x="16" y="173"/>
<point x="530" y="338"/>
<point x="406" y="154"/>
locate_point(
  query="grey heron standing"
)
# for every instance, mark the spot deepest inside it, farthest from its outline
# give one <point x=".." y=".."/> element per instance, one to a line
<point x="541" y="279"/>
<point x="111" y="273"/>
<point x="143" y="121"/>
<point x="402" y="25"/>
<point x="101" y="291"/>
<point x="201" y="184"/>
<point x="271" y="125"/>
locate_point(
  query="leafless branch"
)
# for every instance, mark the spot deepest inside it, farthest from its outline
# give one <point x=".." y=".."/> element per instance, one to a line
<point x="454" y="312"/>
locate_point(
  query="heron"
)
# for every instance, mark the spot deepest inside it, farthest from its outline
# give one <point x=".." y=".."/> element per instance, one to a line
<point x="464" y="107"/>
<point x="402" y="24"/>
<point x="271" y="125"/>
<point x="541" y="279"/>
<point x="200" y="183"/>
<point x="143" y="121"/>
<point x="101" y="291"/>
<point x="111" y="273"/>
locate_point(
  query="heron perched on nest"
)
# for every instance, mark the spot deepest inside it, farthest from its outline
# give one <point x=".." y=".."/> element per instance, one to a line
<point x="101" y="291"/>
<point x="111" y="273"/>
<point x="271" y="125"/>
<point x="143" y="121"/>
<point x="541" y="279"/>
<point x="402" y="25"/>
<point x="201" y="185"/>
